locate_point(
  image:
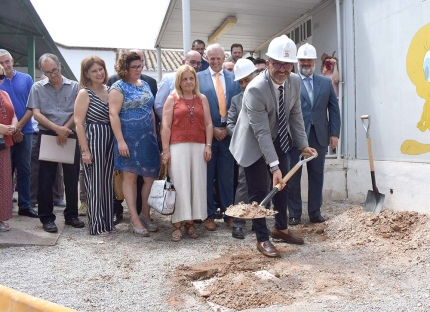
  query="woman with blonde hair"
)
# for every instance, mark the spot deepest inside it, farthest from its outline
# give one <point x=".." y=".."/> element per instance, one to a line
<point x="8" y="123"/>
<point x="186" y="135"/>
<point x="135" y="146"/>
<point x="91" y="116"/>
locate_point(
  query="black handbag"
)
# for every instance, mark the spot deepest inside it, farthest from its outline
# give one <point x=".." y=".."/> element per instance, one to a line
<point x="2" y="143"/>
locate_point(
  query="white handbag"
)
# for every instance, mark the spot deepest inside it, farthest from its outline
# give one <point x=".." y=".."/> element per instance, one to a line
<point x="162" y="196"/>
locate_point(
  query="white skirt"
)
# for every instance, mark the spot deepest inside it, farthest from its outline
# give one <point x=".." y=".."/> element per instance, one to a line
<point x="188" y="171"/>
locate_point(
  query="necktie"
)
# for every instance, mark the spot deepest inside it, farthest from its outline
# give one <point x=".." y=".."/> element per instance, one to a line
<point x="284" y="136"/>
<point x="309" y="89"/>
<point x="220" y="95"/>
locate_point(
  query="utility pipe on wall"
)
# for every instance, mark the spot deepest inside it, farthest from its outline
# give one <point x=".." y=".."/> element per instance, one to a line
<point x="159" y="68"/>
<point x="343" y="110"/>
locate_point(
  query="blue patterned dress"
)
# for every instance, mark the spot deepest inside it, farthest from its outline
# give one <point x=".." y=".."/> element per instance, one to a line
<point x="137" y="125"/>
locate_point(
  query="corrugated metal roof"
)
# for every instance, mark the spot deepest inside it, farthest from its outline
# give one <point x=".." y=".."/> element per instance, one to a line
<point x="170" y="59"/>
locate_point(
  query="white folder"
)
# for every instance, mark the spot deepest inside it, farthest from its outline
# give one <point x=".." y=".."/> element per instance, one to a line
<point x="51" y="151"/>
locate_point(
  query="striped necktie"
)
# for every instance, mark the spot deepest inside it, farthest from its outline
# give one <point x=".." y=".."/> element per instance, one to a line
<point x="284" y="136"/>
<point x="308" y="86"/>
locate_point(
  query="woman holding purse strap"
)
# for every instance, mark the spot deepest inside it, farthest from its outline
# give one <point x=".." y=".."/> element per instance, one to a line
<point x="8" y="122"/>
<point x="186" y="135"/>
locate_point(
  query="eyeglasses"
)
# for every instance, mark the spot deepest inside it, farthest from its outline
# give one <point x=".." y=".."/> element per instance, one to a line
<point x="195" y="63"/>
<point x="136" y="67"/>
<point x="54" y="71"/>
<point x="280" y="65"/>
<point x="2" y="77"/>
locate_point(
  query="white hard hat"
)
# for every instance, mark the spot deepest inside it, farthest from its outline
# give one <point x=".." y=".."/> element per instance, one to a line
<point x="307" y="51"/>
<point x="243" y="68"/>
<point x="282" y="49"/>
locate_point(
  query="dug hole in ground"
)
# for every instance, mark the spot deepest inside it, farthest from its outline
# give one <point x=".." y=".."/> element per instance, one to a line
<point x="355" y="261"/>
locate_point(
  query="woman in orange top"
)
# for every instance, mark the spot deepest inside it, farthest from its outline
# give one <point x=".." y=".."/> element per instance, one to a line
<point x="8" y="122"/>
<point x="186" y="135"/>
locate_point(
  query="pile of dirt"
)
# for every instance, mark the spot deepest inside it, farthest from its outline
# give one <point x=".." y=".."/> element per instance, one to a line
<point x="249" y="211"/>
<point x="338" y="261"/>
<point x="235" y="284"/>
<point x="358" y="227"/>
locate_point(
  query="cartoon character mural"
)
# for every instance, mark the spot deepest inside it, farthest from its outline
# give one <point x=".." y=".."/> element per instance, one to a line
<point x="418" y="68"/>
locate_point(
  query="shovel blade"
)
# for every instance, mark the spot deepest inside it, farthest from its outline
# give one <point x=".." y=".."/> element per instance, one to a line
<point x="374" y="202"/>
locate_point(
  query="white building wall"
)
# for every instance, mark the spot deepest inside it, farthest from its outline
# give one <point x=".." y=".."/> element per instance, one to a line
<point x="377" y="53"/>
<point x="74" y="58"/>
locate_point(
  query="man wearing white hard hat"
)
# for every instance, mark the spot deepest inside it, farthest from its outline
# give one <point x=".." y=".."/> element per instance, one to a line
<point x="244" y="72"/>
<point x="262" y="137"/>
<point x="321" y="115"/>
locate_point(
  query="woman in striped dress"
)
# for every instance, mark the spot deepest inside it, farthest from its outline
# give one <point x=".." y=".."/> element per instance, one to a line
<point x="96" y="141"/>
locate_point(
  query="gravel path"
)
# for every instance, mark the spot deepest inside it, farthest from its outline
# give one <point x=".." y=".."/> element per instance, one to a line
<point x="342" y="268"/>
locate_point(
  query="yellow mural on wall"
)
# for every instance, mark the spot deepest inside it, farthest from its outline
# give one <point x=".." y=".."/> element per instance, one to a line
<point x="418" y="68"/>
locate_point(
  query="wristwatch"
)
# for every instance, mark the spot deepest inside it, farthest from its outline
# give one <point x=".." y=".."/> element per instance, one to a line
<point x="274" y="168"/>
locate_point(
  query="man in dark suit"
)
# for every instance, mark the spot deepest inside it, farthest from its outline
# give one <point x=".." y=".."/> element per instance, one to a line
<point x="318" y="98"/>
<point x="117" y="207"/>
<point x="219" y="87"/>
<point x="199" y="46"/>
<point x="271" y="110"/>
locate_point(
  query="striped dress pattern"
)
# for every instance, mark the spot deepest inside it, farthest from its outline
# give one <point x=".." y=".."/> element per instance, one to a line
<point x="98" y="175"/>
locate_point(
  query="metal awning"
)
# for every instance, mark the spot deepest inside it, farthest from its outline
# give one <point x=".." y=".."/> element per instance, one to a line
<point x="23" y="33"/>
<point x="257" y="21"/>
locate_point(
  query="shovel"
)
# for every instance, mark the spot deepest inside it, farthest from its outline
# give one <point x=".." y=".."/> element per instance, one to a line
<point x="246" y="214"/>
<point x="374" y="199"/>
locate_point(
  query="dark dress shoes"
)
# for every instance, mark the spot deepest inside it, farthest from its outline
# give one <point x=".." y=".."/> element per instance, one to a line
<point x="117" y="217"/>
<point x="317" y="218"/>
<point x="268" y="249"/>
<point x="288" y="238"/>
<point x="238" y="233"/>
<point x="294" y="221"/>
<point x="75" y="222"/>
<point x="50" y="227"/>
<point x="28" y="213"/>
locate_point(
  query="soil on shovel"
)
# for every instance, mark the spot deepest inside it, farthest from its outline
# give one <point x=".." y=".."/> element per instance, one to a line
<point x="342" y="259"/>
<point x="249" y="211"/>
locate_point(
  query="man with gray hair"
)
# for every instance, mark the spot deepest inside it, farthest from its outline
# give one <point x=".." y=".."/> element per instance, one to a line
<point x="167" y="84"/>
<point x="219" y="87"/>
<point x="52" y="101"/>
<point x="18" y="86"/>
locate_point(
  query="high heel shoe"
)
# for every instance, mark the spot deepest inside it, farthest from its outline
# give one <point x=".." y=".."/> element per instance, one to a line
<point x="141" y="233"/>
<point x="152" y="227"/>
<point x="190" y="230"/>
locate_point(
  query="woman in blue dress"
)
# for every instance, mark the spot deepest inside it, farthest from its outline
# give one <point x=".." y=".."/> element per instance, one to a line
<point x="135" y="144"/>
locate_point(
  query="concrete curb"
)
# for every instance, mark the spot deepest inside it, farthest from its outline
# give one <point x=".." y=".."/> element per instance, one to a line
<point x="16" y="301"/>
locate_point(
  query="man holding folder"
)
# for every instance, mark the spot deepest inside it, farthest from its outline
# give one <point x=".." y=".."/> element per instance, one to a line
<point x="52" y="101"/>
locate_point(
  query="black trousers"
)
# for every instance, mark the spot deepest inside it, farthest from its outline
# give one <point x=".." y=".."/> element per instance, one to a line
<point x="47" y="174"/>
<point x="256" y="178"/>
<point x="117" y="204"/>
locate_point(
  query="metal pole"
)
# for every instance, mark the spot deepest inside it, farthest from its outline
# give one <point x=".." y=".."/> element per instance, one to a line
<point x="339" y="67"/>
<point x="31" y="56"/>
<point x="186" y="24"/>
<point x="159" y="68"/>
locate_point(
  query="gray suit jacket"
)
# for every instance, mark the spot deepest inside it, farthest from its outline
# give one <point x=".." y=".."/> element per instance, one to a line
<point x="233" y="112"/>
<point x="258" y="125"/>
<point x="325" y="100"/>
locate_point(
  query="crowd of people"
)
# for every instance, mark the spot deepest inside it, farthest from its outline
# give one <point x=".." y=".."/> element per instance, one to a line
<point x="226" y="130"/>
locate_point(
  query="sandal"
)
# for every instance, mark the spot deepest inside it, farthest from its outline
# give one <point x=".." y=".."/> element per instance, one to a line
<point x="4" y="227"/>
<point x="104" y="234"/>
<point x="176" y="237"/>
<point x="152" y="227"/>
<point x="142" y="232"/>
<point x="190" y="230"/>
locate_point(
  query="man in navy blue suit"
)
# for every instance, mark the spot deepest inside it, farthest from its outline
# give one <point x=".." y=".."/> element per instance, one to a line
<point x="317" y="98"/>
<point x="219" y="87"/>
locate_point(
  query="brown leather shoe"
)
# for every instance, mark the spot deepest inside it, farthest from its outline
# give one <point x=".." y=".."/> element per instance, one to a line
<point x="210" y="225"/>
<point x="267" y="249"/>
<point x="229" y="222"/>
<point x="288" y="238"/>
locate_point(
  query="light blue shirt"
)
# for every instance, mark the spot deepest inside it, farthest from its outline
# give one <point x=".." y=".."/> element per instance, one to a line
<point x="311" y="79"/>
<point x="165" y="88"/>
